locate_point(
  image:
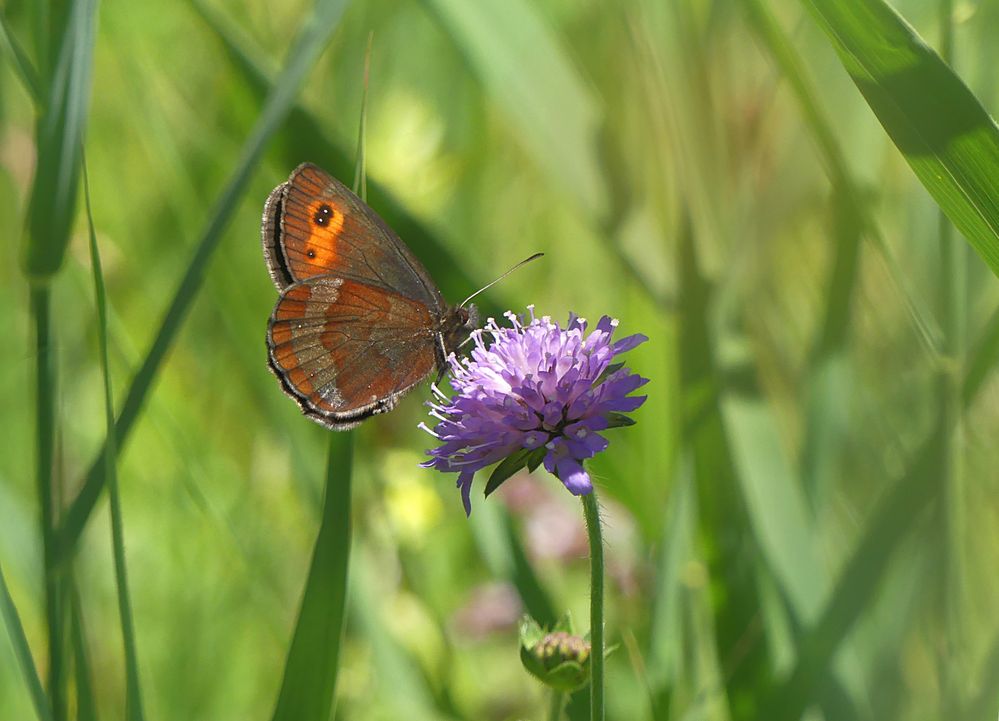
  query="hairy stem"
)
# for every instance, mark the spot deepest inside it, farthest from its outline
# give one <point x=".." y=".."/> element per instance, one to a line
<point x="592" y="513"/>
<point x="555" y="707"/>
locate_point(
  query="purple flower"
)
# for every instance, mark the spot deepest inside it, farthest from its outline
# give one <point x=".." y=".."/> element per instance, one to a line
<point x="538" y="394"/>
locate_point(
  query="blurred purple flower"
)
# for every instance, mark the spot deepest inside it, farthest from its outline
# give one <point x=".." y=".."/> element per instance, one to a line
<point x="490" y="608"/>
<point x="538" y="394"/>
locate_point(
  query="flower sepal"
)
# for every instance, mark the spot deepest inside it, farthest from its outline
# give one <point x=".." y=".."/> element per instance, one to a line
<point x="529" y="458"/>
<point x="612" y="368"/>
<point x="619" y="420"/>
<point x="557" y="658"/>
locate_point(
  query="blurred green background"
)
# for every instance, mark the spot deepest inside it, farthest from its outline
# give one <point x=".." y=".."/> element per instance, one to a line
<point x="805" y="516"/>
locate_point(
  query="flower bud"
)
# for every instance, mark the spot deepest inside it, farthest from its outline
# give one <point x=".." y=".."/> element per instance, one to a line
<point x="557" y="658"/>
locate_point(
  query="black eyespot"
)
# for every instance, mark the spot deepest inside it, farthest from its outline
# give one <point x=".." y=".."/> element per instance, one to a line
<point x="311" y="253"/>
<point x="323" y="214"/>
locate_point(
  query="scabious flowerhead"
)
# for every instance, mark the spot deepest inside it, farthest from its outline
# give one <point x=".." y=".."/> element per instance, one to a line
<point x="539" y="393"/>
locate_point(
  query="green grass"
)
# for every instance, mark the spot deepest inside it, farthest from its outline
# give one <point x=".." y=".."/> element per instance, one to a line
<point x="133" y="693"/>
<point x="310" y="671"/>
<point x="800" y="525"/>
<point x="19" y="642"/>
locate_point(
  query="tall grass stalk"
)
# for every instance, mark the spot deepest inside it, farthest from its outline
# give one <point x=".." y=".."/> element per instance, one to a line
<point x="308" y="690"/>
<point x="952" y="310"/>
<point x="305" y="49"/>
<point x="846" y="187"/>
<point x="22" y="63"/>
<point x="858" y="581"/>
<point x="86" y="704"/>
<point x="65" y="48"/>
<point x="45" y="432"/>
<point x="133" y="694"/>
<point x="311" y="134"/>
<point x="311" y="668"/>
<point x="15" y="630"/>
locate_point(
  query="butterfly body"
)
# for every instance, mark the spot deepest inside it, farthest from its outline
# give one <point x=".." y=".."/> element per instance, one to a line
<point x="360" y="321"/>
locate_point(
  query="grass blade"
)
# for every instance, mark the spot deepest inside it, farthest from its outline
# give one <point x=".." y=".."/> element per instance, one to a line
<point x="853" y="215"/>
<point x="498" y="541"/>
<point x="59" y="141"/>
<point x="783" y="532"/>
<point x="59" y="135"/>
<point x="360" y="186"/>
<point x="308" y="138"/>
<point x="525" y="579"/>
<point x="952" y="281"/>
<point x="984" y="703"/>
<point x="310" y="672"/>
<point x="722" y="518"/>
<point x="530" y="77"/>
<point x="666" y="635"/>
<point x="45" y="421"/>
<point x="22" y="63"/>
<point x="360" y="160"/>
<point x="858" y="582"/>
<point x="133" y="694"/>
<point x="982" y="360"/>
<point x="86" y="709"/>
<point x="306" y="47"/>
<point x="403" y="691"/>
<point x="19" y="641"/>
<point x="946" y="136"/>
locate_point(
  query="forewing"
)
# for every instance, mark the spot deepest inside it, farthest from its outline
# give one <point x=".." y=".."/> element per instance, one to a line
<point x="314" y="225"/>
<point x="346" y="350"/>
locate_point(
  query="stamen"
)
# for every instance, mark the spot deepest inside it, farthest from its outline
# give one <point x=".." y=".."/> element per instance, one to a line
<point x="423" y="426"/>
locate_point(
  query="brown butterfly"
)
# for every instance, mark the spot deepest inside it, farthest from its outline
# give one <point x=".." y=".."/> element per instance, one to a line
<point x="360" y="321"/>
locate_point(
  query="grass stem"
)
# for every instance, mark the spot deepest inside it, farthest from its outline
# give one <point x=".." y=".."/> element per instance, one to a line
<point x="133" y="695"/>
<point x="45" y="385"/>
<point x="952" y="309"/>
<point x="18" y="639"/>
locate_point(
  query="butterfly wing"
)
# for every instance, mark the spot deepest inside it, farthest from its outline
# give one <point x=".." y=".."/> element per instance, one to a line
<point x="346" y="349"/>
<point x="314" y="225"/>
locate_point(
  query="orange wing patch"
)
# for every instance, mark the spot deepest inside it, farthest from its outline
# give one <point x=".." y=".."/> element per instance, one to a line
<point x="327" y="221"/>
<point x="312" y="222"/>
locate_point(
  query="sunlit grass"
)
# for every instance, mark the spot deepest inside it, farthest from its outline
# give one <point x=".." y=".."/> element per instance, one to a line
<point x="794" y="523"/>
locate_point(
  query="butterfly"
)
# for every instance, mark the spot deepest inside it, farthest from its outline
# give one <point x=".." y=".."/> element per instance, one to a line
<point x="360" y="322"/>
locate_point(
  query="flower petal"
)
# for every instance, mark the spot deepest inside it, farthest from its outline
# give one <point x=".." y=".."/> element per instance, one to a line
<point x="626" y="344"/>
<point x="623" y="405"/>
<point x="573" y="477"/>
<point x="465" y="484"/>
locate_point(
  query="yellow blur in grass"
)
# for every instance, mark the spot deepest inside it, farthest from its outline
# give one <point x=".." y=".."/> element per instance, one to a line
<point x="413" y="504"/>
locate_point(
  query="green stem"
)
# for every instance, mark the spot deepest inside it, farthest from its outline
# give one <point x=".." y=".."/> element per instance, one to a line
<point x="45" y="381"/>
<point x="592" y="513"/>
<point x="555" y="708"/>
<point x="133" y="695"/>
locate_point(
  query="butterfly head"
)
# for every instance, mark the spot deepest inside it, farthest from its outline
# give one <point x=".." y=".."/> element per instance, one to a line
<point x="458" y="325"/>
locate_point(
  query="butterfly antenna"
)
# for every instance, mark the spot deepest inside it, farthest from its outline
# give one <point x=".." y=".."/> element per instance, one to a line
<point x="525" y="261"/>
